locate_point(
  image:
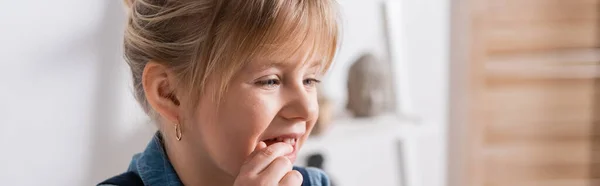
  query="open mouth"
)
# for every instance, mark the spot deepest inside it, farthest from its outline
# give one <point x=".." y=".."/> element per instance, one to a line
<point x="290" y="141"/>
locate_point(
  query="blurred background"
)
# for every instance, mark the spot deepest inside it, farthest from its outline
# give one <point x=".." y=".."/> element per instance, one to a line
<point x="422" y="93"/>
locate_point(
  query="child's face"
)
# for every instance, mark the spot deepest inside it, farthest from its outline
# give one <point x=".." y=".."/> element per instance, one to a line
<point x="266" y="100"/>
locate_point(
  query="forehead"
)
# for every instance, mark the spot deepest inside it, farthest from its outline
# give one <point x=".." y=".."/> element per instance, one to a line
<point x="306" y="55"/>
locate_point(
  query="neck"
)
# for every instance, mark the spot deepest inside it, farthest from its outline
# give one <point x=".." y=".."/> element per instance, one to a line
<point x="194" y="167"/>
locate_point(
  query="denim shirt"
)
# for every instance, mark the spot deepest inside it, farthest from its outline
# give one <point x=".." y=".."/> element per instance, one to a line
<point x="154" y="168"/>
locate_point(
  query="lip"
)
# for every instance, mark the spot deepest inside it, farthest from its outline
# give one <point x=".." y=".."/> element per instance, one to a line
<point x="288" y="135"/>
<point x="292" y="155"/>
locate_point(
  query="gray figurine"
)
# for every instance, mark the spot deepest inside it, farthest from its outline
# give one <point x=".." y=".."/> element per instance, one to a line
<point x="369" y="87"/>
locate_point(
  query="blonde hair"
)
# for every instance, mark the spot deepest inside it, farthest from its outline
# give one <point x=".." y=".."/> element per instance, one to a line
<point x="200" y="38"/>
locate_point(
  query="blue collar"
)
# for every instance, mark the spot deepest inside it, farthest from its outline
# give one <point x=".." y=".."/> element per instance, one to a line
<point x="153" y="165"/>
<point x="154" y="168"/>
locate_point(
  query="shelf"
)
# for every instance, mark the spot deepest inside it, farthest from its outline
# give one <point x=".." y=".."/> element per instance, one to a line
<point x="349" y="129"/>
<point x="366" y="151"/>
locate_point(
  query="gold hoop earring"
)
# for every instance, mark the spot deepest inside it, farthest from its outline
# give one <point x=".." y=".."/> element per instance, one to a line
<point x="177" y="132"/>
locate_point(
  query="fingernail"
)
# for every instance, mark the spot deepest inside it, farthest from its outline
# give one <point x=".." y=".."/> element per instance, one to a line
<point x="261" y="145"/>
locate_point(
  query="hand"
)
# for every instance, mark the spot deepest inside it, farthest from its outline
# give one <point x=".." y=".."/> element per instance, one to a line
<point x="267" y="166"/>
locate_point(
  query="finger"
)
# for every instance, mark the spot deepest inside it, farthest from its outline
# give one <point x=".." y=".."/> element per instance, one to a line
<point x="277" y="169"/>
<point x="262" y="158"/>
<point x="291" y="178"/>
<point x="261" y="145"/>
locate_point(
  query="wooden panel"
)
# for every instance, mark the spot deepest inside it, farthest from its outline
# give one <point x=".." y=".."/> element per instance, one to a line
<point x="553" y="182"/>
<point x="533" y="25"/>
<point x="579" y="64"/>
<point x="541" y="153"/>
<point x="538" y="161"/>
<point x="541" y="10"/>
<point x="533" y="92"/>
<point x="540" y="129"/>
<point x="547" y="110"/>
<point x="515" y="37"/>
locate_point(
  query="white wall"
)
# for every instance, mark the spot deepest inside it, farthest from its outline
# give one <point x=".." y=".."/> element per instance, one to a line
<point x="424" y="31"/>
<point x="426" y="24"/>
<point x="67" y="115"/>
<point x="362" y="32"/>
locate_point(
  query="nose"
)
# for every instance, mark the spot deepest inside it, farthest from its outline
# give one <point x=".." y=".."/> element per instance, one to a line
<point x="300" y="104"/>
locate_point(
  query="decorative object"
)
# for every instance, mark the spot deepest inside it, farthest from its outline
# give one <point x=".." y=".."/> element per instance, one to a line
<point x="369" y="87"/>
<point x="317" y="161"/>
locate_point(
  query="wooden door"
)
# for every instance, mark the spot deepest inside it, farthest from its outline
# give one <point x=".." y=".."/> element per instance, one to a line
<point x="525" y="93"/>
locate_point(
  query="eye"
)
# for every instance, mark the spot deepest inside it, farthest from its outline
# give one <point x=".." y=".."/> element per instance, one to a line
<point x="269" y="83"/>
<point x="311" y="82"/>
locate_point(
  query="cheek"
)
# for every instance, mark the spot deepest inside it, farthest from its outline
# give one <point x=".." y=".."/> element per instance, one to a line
<point x="240" y="121"/>
<point x="247" y="116"/>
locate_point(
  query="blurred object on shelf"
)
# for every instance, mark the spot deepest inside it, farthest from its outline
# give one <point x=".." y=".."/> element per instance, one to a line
<point x="369" y="90"/>
<point x="316" y="160"/>
<point x="325" y="113"/>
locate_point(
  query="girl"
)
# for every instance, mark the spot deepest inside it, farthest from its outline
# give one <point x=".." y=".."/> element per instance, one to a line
<point x="231" y="85"/>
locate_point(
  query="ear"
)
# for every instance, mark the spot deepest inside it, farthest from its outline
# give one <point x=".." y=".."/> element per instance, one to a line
<point x="159" y="87"/>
